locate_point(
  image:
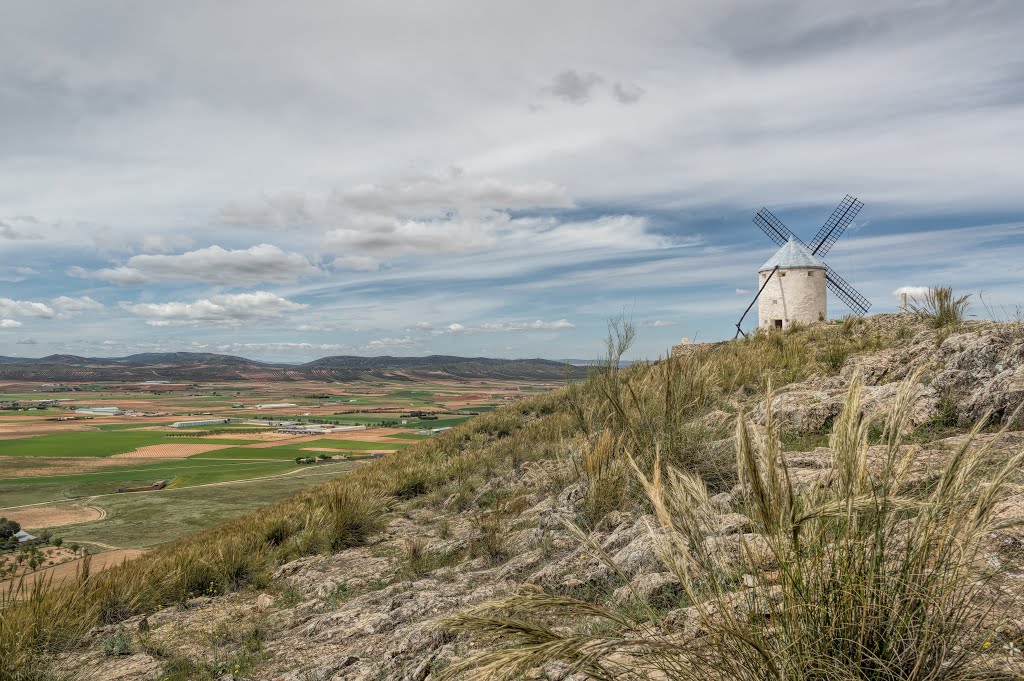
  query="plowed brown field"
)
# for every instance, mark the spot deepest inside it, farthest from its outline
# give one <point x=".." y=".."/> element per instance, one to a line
<point x="168" y="451"/>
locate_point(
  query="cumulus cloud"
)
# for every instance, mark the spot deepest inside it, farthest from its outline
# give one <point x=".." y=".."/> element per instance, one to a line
<point x="387" y="343"/>
<point x="67" y="306"/>
<point x="454" y="328"/>
<point x="122" y="276"/>
<point x="434" y="213"/>
<point x="420" y="326"/>
<point x="743" y="291"/>
<point x="9" y="323"/>
<point x="221" y="310"/>
<point x="658" y="323"/>
<point x="358" y="263"/>
<point x="264" y="263"/>
<point x="16" y="274"/>
<point x="25" y="308"/>
<point x="381" y="234"/>
<point x="911" y="291"/>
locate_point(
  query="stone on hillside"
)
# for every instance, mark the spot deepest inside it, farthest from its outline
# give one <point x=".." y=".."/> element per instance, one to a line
<point x="737" y="550"/>
<point x="658" y="589"/>
<point x="733" y="523"/>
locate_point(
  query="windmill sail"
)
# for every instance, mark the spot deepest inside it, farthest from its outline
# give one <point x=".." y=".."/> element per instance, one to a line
<point x="846" y="293"/>
<point x="828" y="234"/>
<point x="834" y="227"/>
<point x="773" y="227"/>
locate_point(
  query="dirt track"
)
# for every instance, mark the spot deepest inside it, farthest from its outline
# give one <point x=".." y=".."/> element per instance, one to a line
<point x="64" y="572"/>
<point x="56" y="515"/>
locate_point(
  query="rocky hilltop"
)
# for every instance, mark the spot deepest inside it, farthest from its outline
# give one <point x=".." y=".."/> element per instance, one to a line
<point x="538" y="506"/>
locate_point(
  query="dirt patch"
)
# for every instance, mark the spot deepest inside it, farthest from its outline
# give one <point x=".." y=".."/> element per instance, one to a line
<point x="55" y="515"/>
<point x="168" y="451"/>
<point x="69" y="570"/>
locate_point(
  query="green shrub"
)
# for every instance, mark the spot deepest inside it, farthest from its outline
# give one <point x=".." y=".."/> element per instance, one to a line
<point x="117" y="644"/>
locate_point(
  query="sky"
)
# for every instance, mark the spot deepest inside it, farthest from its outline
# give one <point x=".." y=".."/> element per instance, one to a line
<point x="286" y="181"/>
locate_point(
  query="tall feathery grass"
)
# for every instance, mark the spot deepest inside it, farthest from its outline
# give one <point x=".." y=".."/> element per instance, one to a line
<point x="864" y="575"/>
<point x="940" y="308"/>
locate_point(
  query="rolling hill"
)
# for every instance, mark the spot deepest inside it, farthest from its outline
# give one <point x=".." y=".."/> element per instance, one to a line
<point x="191" y="366"/>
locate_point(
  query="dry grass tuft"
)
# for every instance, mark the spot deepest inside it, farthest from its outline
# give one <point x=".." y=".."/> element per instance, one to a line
<point x="866" y="579"/>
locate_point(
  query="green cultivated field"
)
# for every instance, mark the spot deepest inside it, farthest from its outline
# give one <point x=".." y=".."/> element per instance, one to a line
<point x="185" y="472"/>
<point x="147" y="519"/>
<point x="299" y="449"/>
<point x="208" y="488"/>
<point x="95" y="443"/>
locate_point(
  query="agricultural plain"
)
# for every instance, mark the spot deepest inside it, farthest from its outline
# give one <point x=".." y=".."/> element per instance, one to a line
<point x="134" y="480"/>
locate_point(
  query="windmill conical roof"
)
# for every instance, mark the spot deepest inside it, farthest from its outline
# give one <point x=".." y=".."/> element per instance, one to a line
<point x="793" y="255"/>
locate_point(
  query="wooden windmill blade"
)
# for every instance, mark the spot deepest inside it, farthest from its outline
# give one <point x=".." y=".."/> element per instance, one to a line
<point x="836" y="224"/>
<point x="846" y="293"/>
<point x="774" y="228"/>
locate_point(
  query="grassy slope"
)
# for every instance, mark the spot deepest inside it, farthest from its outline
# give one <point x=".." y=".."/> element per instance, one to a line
<point x="648" y="408"/>
<point x="146" y="520"/>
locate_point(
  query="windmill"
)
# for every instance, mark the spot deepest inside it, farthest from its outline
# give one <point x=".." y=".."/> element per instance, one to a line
<point x="803" y="297"/>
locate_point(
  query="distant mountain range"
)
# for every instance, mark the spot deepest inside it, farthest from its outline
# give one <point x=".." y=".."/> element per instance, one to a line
<point x="203" y="366"/>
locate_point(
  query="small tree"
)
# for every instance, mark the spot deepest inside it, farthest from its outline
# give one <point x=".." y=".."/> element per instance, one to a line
<point x="9" y="528"/>
<point x="57" y="541"/>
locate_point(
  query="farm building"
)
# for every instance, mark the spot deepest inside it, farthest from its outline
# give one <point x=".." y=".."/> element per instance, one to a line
<point x="317" y="429"/>
<point x="434" y="431"/>
<point x="202" y="422"/>
<point x="276" y="405"/>
<point x="23" y="537"/>
<point x="268" y="422"/>
<point x="100" y="411"/>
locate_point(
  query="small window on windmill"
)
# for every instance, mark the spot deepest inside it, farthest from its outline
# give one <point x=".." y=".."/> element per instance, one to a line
<point x="782" y="274"/>
<point x="778" y="323"/>
<point x="810" y="274"/>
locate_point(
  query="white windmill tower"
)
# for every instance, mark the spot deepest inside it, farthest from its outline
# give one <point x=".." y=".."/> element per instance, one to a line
<point x="796" y="292"/>
<point x="793" y="283"/>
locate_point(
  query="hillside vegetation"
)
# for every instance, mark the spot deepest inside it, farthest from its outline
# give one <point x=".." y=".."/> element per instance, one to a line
<point x="837" y="502"/>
